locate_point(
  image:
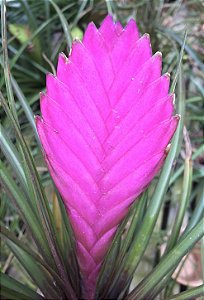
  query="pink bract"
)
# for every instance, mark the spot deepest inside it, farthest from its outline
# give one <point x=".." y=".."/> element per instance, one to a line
<point x="106" y="122"/>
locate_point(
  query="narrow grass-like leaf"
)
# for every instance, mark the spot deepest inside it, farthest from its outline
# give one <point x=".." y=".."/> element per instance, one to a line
<point x="28" y="214"/>
<point x="12" y="289"/>
<point x="12" y="156"/>
<point x="168" y="263"/>
<point x="188" y="49"/>
<point x="48" y="31"/>
<point x="194" y="99"/>
<point x="7" y="235"/>
<point x="80" y="12"/>
<point x="109" y="8"/>
<point x="69" y="250"/>
<point x="25" y="106"/>
<point x="195" y="218"/>
<point x="199" y="209"/>
<point x="191" y="294"/>
<point x="5" y="61"/>
<point x="57" y="218"/>
<point x="136" y="221"/>
<point x="28" y="12"/>
<point x="180" y="105"/>
<point x="40" y="277"/>
<point x="64" y="23"/>
<point x="9" y="293"/>
<point x="178" y="172"/>
<point x="187" y="183"/>
<point x="173" y="86"/>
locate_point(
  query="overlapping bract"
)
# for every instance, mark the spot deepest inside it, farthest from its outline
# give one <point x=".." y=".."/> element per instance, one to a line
<point x="106" y="122"/>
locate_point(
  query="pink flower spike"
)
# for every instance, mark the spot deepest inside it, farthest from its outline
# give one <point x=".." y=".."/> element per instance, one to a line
<point x="106" y="123"/>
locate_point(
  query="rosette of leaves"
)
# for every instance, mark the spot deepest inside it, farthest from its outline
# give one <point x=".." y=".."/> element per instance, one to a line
<point x="40" y="238"/>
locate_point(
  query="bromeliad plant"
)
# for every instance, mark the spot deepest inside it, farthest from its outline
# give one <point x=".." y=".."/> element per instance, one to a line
<point x="105" y="131"/>
<point x="103" y="115"/>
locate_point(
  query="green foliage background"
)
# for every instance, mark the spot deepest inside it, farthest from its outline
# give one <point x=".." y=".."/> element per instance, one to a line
<point x="37" y="250"/>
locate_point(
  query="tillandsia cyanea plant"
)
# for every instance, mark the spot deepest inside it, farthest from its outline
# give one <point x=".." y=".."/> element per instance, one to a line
<point x="107" y="123"/>
<point x="105" y="127"/>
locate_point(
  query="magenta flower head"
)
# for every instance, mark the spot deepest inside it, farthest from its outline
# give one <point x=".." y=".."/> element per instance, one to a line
<point x="106" y="122"/>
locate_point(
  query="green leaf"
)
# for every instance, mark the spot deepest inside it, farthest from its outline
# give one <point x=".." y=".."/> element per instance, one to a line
<point x="179" y="63"/>
<point x="191" y="294"/>
<point x="6" y="62"/>
<point x="8" y="235"/>
<point x="12" y="156"/>
<point x="24" y="104"/>
<point x="38" y="274"/>
<point x="167" y="264"/>
<point x="64" y="23"/>
<point x="199" y="209"/>
<point x="69" y="248"/>
<point x="26" y="211"/>
<point x="80" y="12"/>
<point x="188" y="49"/>
<point x="178" y="172"/>
<point x="187" y="183"/>
<point x="14" y="290"/>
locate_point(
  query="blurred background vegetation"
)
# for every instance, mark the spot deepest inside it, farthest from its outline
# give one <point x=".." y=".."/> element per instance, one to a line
<point x="37" y="33"/>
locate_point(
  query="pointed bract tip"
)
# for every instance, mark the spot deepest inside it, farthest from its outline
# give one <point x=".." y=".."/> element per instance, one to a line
<point x="91" y="26"/>
<point x="146" y="35"/>
<point x="42" y="94"/>
<point x="118" y="28"/>
<point x="167" y="75"/>
<point x="50" y="75"/>
<point x="63" y="57"/>
<point x="108" y="19"/>
<point x="173" y="98"/>
<point x="131" y="22"/>
<point x="158" y="53"/>
<point x="70" y="53"/>
<point x="177" y="117"/>
<point x="38" y="119"/>
<point x="43" y="100"/>
<point x="168" y="147"/>
<point x="118" y="24"/>
<point x="91" y="29"/>
<point x="75" y="42"/>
